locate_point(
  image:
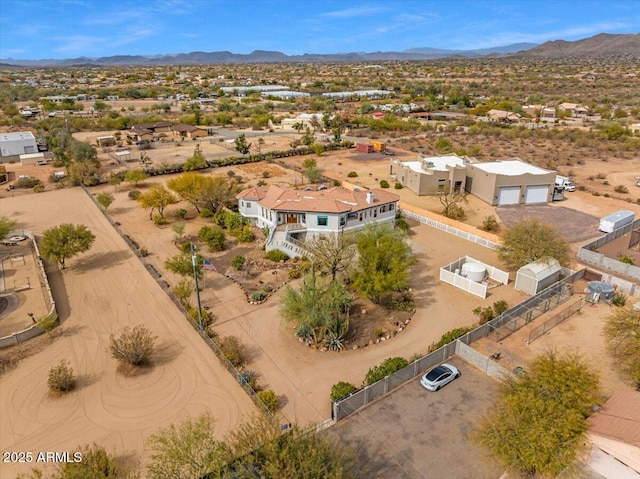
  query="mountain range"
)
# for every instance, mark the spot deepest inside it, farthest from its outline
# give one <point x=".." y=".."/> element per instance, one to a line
<point x="599" y="45"/>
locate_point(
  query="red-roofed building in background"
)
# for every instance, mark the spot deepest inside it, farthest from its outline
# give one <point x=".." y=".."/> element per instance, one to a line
<point x="293" y="216"/>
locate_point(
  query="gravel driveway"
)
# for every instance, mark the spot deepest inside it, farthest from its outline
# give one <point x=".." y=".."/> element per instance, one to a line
<point x="573" y="225"/>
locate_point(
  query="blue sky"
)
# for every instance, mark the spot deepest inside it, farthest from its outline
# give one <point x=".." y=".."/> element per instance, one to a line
<point x="39" y="29"/>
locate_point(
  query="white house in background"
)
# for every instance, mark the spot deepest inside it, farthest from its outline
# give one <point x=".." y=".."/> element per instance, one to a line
<point x="17" y="143"/>
<point x="293" y="216"/>
<point x="306" y="120"/>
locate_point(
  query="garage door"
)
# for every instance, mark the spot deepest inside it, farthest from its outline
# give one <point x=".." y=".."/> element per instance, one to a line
<point x="536" y="194"/>
<point x="509" y="195"/>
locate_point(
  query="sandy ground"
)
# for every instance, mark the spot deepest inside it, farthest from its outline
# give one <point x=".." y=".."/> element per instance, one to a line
<point x="581" y="333"/>
<point x="100" y="292"/>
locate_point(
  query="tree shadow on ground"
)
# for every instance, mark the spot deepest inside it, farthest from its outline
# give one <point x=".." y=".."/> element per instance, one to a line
<point x="165" y="352"/>
<point x="101" y="261"/>
<point x="58" y="290"/>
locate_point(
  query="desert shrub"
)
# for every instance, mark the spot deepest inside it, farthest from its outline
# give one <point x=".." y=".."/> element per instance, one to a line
<point x="159" y="220"/>
<point x="61" y="377"/>
<point x="455" y="212"/>
<point x="379" y="333"/>
<point x="276" y="255"/>
<point x="181" y="213"/>
<point x="48" y="322"/>
<point x="214" y="237"/>
<point x="305" y="332"/>
<point x="233" y="350"/>
<point x="352" y="174"/>
<point x="233" y="221"/>
<point x="607" y="195"/>
<point x="399" y="303"/>
<point x="133" y="346"/>
<point x="249" y="378"/>
<point x="398" y="186"/>
<point x="500" y="307"/>
<point x="384" y="184"/>
<point x="490" y="223"/>
<point x="267" y="288"/>
<point x="206" y="213"/>
<point x="341" y="390"/>
<point x="134" y="194"/>
<point x="449" y="337"/>
<point x="258" y="296"/>
<point x="26" y="182"/>
<point x="336" y="183"/>
<point x="621" y="189"/>
<point x="384" y="369"/>
<point x="402" y="224"/>
<point x="294" y="273"/>
<point x="626" y="259"/>
<point x="266" y="174"/>
<point x="485" y="314"/>
<point x="619" y="299"/>
<point x="207" y="317"/>
<point x="269" y="399"/>
<point x="238" y="262"/>
<point x="261" y="183"/>
<point x="244" y="234"/>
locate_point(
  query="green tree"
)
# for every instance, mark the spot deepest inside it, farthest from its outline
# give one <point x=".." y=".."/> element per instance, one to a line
<point x="197" y="161"/>
<point x="332" y="254"/>
<point x="132" y="346"/>
<point x="178" y="229"/>
<point x="105" y="199"/>
<point x="241" y="144"/>
<point x="82" y="152"/>
<point x="539" y="419"/>
<point x="135" y="176"/>
<point x="157" y="198"/>
<point x="622" y="335"/>
<point x="183" y="290"/>
<point x="443" y="145"/>
<point x="82" y="172"/>
<point x="341" y="390"/>
<point x="188" y="186"/>
<point x="531" y="240"/>
<point x="6" y="225"/>
<point x="384" y="260"/>
<point x="313" y="174"/>
<point x="65" y="241"/>
<point x="101" y="106"/>
<point x="187" y="450"/>
<point x="321" y="308"/>
<point x="182" y="264"/>
<point x="96" y="464"/>
<point x="216" y="192"/>
<point x="214" y="237"/>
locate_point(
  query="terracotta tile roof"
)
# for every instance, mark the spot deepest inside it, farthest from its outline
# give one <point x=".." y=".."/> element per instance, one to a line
<point x="331" y="200"/>
<point x="619" y="418"/>
<point x="153" y="126"/>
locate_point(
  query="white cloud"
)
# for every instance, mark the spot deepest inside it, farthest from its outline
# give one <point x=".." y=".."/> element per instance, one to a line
<point x="361" y="11"/>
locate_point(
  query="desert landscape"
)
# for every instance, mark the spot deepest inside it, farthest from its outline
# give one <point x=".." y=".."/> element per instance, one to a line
<point x="307" y="145"/>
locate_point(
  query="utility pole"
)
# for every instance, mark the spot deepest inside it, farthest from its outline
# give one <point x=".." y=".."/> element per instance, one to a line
<point x="194" y="262"/>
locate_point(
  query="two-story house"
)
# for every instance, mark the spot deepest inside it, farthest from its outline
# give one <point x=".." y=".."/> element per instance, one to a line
<point x="293" y="216"/>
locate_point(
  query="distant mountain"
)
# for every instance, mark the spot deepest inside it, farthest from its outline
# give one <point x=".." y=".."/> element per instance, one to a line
<point x="599" y="45"/>
<point x="264" y="56"/>
<point x="513" y="48"/>
<point x="603" y="44"/>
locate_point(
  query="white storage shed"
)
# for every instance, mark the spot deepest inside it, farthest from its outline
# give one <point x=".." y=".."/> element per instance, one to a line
<point x="538" y="275"/>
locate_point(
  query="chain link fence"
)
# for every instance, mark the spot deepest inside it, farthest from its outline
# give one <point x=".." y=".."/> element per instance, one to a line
<point x="552" y="322"/>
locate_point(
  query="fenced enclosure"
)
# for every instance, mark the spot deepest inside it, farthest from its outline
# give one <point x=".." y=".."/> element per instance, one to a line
<point x="589" y="252"/>
<point x="501" y="327"/>
<point x="364" y="396"/>
<point x="522" y="314"/>
<point x="552" y="322"/>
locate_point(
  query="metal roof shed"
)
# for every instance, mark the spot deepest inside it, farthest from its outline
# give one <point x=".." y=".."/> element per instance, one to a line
<point x="538" y="275"/>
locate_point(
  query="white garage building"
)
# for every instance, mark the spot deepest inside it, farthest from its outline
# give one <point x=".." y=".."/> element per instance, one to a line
<point x="17" y="143"/>
<point x="510" y="182"/>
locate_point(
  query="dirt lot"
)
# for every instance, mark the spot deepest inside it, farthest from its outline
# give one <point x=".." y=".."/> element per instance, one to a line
<point x="581" y="333"/>
<point x="100" y="292"/>
<point x="415" y="433"/>
<point x="574" y="225"/>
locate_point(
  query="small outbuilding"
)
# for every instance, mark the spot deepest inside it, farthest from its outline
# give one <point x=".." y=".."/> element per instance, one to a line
<point x="17" y="143"/>
<point x="538" y="275"/>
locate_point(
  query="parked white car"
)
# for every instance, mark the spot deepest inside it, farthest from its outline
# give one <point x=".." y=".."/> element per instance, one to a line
<point x="439" y="377"/>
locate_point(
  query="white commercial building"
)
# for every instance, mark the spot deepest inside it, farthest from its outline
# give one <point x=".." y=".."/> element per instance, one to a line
<point x="18" y="143"/>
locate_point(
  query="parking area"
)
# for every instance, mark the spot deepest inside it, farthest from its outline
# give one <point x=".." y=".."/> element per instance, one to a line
<point x="414" y="433"/>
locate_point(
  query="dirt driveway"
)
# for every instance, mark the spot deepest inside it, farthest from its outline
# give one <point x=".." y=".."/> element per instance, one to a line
<point x="414" y="433"/>
<point x="100" y="292"/>
<point x="572" y="224"/>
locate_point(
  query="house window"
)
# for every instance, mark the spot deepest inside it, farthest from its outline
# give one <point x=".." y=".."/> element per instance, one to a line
<point x="391" y="206"/>
<point x="375" y="212"/>
<point x="247" y="204"/>
<point x="323" y="220"/>
<point x="383" y="208"/>
<point x="304" y="217"/>
<point x="360" y="216"/>
<point x="343" y="220"/>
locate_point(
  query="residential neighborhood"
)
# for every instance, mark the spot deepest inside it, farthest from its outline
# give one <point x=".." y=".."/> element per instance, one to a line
<point x="351" y="258"/>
